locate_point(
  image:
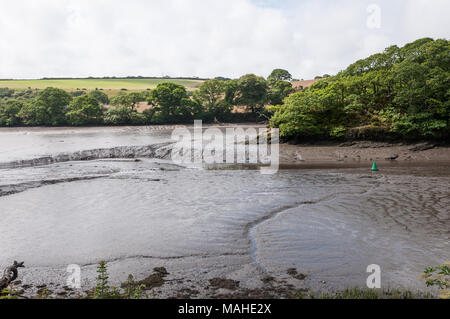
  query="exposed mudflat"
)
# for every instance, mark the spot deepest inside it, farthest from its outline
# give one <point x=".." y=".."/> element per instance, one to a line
<point x="113" y="194"/>
<point x="355" y="153"/>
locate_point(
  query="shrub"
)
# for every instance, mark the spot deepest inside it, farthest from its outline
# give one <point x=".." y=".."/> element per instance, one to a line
<point x="440" y="277"/>
<point x="338" y="132"/>
<point x="100" y="96"/>
<point x="9" y="113"/>
<point x="48" y="108"/>
<point x="84" y="110"/>
<point x="123" y="115"/>
<point x="104" y="291"/>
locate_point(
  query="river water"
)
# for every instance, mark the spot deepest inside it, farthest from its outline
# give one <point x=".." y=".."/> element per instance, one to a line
<point x="80" y="208"/>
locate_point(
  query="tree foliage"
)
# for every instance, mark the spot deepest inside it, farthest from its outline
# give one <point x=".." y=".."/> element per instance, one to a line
<point x="130" y="100"/>
<point x="402" y="92"/>
<point x="123" y="115"/>
<point x="251" y="91"/>
<point x="48" y="108"/>
<point x="398" y="93"/>
<point x="84" y="110"/>
<point x="9" y="113"/>
<point x="100" y="96"/>
<point x="279" y="91"/>
<point x="172" y="104"/>
<point x="211" y="96"/>
<point x="279" y="75"/>
<point x="439" y="277"/>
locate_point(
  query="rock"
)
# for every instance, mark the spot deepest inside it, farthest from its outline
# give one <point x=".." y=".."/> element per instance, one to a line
<point x="161" y="270"/>
<point x="153" y="281"/>
<point x="393" y="157"/>
<point x="292" y="271"/>
<point x="222" y="283"/>
<point x="422" y="147"/>
<point x="268" y="279"/>
<point x="347" y="144"/>
<point x="295" y="274"/>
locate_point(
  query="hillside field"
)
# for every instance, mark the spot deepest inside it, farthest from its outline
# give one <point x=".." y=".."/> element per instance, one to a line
<point x="110" y="86"/>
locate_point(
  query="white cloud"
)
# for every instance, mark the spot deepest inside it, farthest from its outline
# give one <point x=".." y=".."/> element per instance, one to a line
<point x="202" y="37"/>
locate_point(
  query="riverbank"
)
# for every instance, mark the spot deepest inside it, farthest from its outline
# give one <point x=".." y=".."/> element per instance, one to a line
<point x="292" y="234"/>
<point x="361" y="154"/>
<point x="161" y="285"/>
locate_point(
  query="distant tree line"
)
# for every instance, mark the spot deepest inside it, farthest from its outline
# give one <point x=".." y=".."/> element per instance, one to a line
<point x="169" y="103"/>
<point x="137" y="77"/>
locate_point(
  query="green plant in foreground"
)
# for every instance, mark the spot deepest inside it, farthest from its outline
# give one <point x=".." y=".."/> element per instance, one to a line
<point x="44" y="294"/>
<point x="132" y="289"/>
<point x="104" y="291"/>
<point x="8" y="294"/>
<point x="439" y="277"/>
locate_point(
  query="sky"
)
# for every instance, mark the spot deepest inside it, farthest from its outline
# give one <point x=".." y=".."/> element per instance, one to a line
<point x="205" y="38"/>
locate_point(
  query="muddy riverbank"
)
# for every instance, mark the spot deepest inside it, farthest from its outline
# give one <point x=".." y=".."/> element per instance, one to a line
<point x="70" y="198"/>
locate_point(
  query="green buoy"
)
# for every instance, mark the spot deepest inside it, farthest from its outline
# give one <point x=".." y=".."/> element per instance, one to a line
<point x="375" y="167"/>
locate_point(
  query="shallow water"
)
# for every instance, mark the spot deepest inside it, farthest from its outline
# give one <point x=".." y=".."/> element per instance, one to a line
<point x="329" y="224"/>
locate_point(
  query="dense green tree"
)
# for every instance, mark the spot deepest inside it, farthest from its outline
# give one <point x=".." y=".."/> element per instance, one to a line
<point x="48" y="108"/>
<point x="9" y="113"/>
<point x="279" y="91"/>
<point x="211" y="95"/>
<point x="100" y="96"/>
<point x="251" y="92"/>
<point x="401" y="92"/>
<point x="24" y="95"/>
<point x="279" y="75"/>
<point x="168" y="95"/>
<point x="84" y="110"/>
<point x="231" y="91"/>
<point x="123" y="115"/>
<point x="34" y="114"/>
<point x="130" y="100"/>
<point x="172" y="104"/>
<point x="6" y="92"/>
<point x="134" y="99"/>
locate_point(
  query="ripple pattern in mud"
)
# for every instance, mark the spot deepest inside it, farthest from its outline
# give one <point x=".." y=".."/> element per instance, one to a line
<point x="81" y="207"/>
<point x="398" y="222"/>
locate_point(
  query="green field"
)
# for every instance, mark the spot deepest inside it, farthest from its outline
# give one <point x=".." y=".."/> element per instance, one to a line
<point x="111" y="86"/>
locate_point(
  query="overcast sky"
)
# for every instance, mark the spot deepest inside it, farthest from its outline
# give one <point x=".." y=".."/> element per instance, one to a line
<point x="205" y="38"/>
